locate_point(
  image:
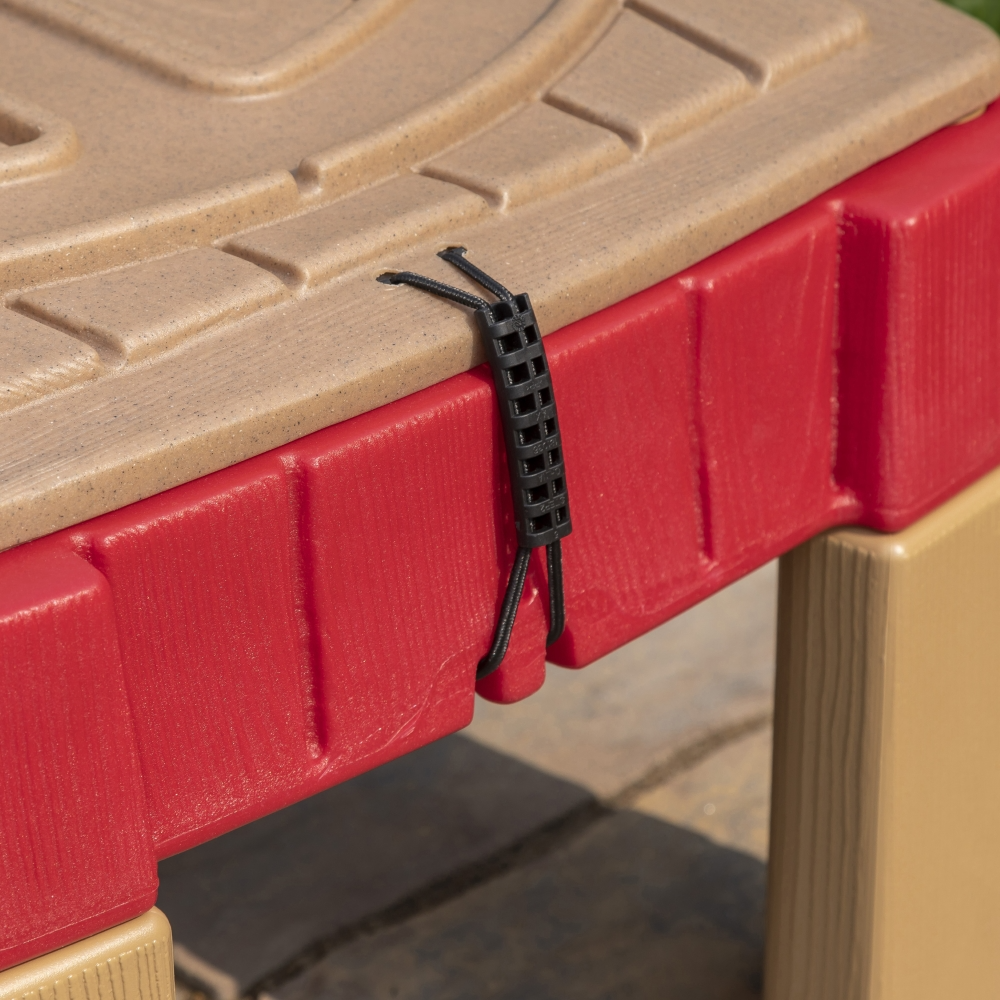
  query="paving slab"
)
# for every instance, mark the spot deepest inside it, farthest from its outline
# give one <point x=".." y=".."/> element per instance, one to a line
<point x="603" y="727"/>
<point x="663" y="900"/>
<point x="726" y="797"/>
<point x="633" y="908"/>
<point x="251" y="900"/>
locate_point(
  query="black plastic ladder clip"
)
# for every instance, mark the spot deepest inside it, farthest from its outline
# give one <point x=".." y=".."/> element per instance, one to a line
<point x="527" y="404"/>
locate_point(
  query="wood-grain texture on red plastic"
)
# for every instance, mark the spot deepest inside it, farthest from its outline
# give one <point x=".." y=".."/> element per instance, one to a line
<point x="199" y="659"/>
<point x="75" y="851"/>
<point x="919" y="333"/>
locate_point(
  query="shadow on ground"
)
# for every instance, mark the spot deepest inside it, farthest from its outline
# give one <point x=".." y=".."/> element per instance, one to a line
<point x="632" y="908"/>
<point x="590" y="904"/>
<point x="251" y="900"/>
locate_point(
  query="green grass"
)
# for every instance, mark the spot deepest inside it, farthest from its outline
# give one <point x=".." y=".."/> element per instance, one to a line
<point x="985" y="10"/>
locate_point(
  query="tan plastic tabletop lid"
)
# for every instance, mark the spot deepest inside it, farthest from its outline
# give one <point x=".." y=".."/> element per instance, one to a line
<point x="196" y="196"/>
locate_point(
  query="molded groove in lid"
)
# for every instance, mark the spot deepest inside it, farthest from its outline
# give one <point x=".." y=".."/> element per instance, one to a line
<point x="152" y="37"/>
<point x="33" y="141"/>
<point x="647" y="84"/>
<point x="770" y="41"/>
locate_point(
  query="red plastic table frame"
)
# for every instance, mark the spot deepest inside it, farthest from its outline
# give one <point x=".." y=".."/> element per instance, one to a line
<point x="201" y="658"/>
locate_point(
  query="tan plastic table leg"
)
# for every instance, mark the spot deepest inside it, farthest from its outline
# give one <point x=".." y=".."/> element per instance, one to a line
<point x="885" y="830"/>
<point x="133" y="961"/>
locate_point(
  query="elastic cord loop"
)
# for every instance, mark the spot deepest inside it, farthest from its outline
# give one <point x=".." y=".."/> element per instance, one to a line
<point x="505" y="623"/>
<point x="456" y="256"/>
<point x="557" y="605"/>
<point x="463" y="298"/>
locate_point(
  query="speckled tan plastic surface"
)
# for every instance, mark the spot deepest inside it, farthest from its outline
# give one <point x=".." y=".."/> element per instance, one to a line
<point x="648" y="86"/>
<point x="142" y="311"/>
<point x="320" y="245"/>
<point x="132" y="961"/>
<point x="38" y="361"/>
<point x="200" y="204"/>
<point x="538" y="152"/>
<point x="237" y="49"/>
<point x="37" y="141"/>
<point x="770" y="42"/>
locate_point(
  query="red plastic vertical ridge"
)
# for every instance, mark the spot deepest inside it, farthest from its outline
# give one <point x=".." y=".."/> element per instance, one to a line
<point x="764" y="363"/>
<point x="622" y="383"/>
<point x="75" y="852"/>
<point x="205" y="607"/>
<point x="378" y="478"/>
<point x="920" y="323"/>
<point x="731" y="361"/>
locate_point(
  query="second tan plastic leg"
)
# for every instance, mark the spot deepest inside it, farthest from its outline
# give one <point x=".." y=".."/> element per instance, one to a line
<point x="884" y="879"/>
<point x="132" y="961"/>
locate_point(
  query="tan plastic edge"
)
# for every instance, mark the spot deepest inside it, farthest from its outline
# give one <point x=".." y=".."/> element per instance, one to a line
<point x="133" y="961"/>
<point x="885" y="863"/>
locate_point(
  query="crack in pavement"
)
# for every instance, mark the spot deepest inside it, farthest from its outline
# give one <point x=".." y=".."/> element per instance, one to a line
<point x="532" y="846"/>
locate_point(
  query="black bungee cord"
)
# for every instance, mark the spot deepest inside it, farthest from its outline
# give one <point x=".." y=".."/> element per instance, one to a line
<point x="527" y="404"/>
